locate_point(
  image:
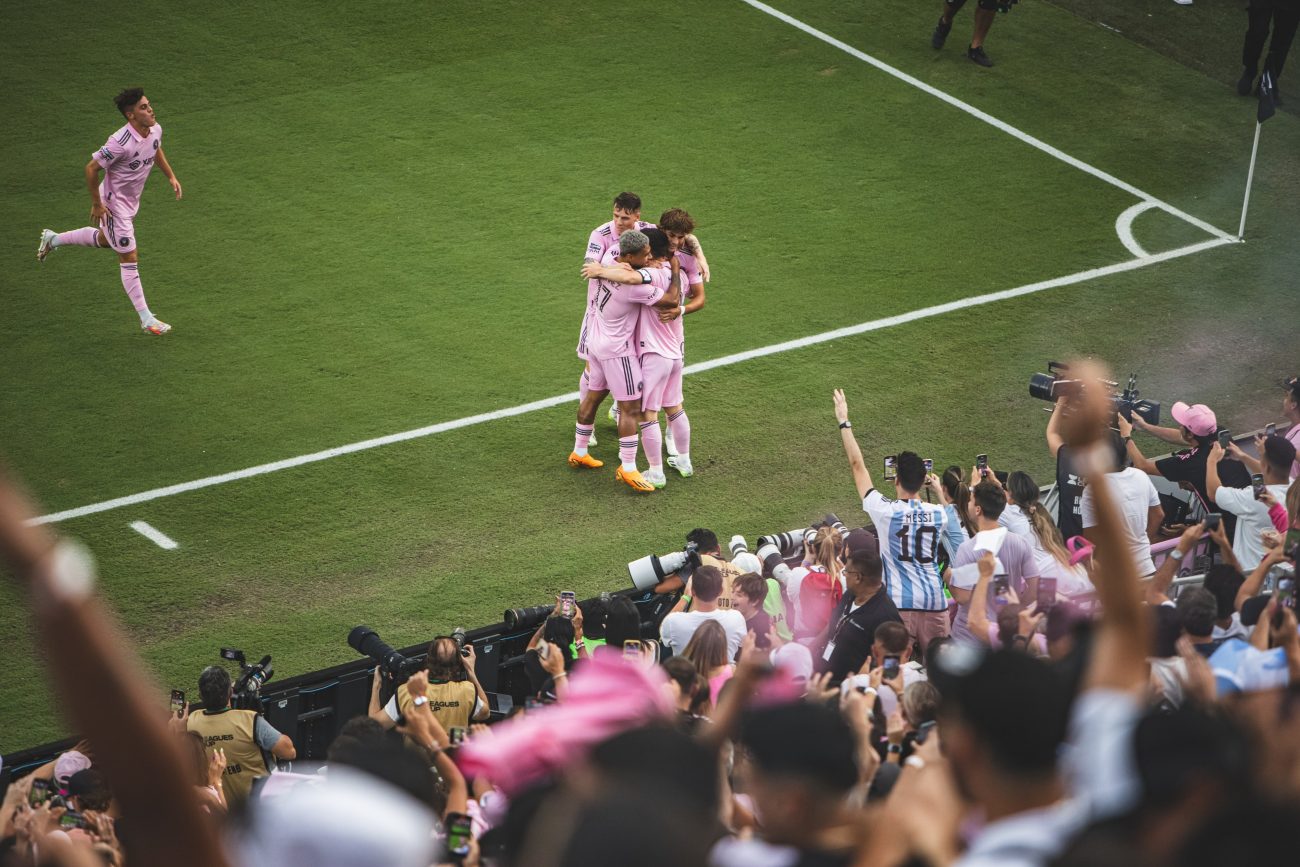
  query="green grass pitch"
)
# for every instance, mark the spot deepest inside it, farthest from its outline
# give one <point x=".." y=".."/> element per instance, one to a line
<point x="383" y="217"/>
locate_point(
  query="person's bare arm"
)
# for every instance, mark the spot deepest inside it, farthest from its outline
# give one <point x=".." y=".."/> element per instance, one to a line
<point x="977" y="617"/>
<point x="1168" y="434"/>
<point x="697" y="296"/>
<point x="469" y="661"/>
<point x="167" y="170"/>
<point x="1053" y="433"/>
<point x="1120" y="646"/>
<point x="97" y="207"/>
<point x="673" y="297"/>
<point x="376" y="710"/>
<point x="1255" y="580"/>
<point x="1155" y="517"/>
<point x="1157" y="592"/>
<point x="93" y="666"/>
<point x="1212" y="483"/>
<point x="1253" y="464"/>
<point x="284" y="750"/>
<point x="618" y="273"/>
<point x="693" y="247"/>
<point x="861" y="475"/>
<point x="1139" y="460"/>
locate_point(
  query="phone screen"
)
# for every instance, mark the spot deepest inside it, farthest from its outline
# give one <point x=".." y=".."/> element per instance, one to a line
<point x="1225" y="437"/>
<point x="72" y="819"/>
<point x="890" y="667"/>
<point x="40" y="792"/>
<point x="929" y="466"/>
<point x="1046" y="593"/>
<point x="1212" y="520"/>
<point x="1270" y="430"/>
<point x="178" y="702"/>
<point x="1257" y="482"/>
<point x="457" y="735"/>
<point x="568" y="601"/>
<point x="632" y="650"/>
<point x="981" y="463"/>
<point x="1286" y="592"/>
<point x="890" y="473"/>
<point x="458" y="834"/>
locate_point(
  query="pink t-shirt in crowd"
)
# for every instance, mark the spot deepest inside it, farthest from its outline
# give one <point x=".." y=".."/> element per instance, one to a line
<point x="1293" y="436"/>
<point x="716" y="682"/>
<point x="127" y="160"/>
<point x="617" y="309"/>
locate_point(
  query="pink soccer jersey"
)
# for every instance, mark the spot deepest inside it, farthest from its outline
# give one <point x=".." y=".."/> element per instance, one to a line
<point x="127" y="160"/>
<point x="600" y="242"/>
<point x="617" y="309"/>
<point x="668" y="338"/>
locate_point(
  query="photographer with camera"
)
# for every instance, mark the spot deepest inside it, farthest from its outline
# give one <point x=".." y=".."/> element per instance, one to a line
<point x="244" y="736"/>
<point x="454" y="694"/>
<point x="1245" y="502"/>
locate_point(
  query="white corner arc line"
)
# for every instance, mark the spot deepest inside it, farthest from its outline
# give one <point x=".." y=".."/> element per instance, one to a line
<point x="987" y="118"/>
<point x="159" y="538"/>
<point x="699" y="367"/>
<point x="1124" y="227"/>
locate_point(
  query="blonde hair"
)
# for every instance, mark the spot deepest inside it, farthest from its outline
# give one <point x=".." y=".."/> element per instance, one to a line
<point x="824" y="551"/>
<point x="1025" y="493"/>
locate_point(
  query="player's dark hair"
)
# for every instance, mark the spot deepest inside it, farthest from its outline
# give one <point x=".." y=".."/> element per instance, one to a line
<point x="752" y="586"/>
<point x="127" y="98"/>
<point x="705" y="540"/>
<point x="911" y="471"/>
<point x="629" y="202"/>
<point x="659" y="245"/>
<point x="622" y="622"/>
<point x="676" y="220"/>
<point x="991" y="499"/>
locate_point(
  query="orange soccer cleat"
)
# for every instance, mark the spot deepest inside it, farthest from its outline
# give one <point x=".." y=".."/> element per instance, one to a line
<point x="577" y="460"/>
<point x="634" y="481"/>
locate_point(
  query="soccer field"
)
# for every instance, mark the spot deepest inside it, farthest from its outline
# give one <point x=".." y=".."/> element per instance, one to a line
<point x="381" y="232"/>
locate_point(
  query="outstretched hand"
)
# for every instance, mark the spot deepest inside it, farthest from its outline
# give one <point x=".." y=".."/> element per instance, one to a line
<point x="841" y="406"/>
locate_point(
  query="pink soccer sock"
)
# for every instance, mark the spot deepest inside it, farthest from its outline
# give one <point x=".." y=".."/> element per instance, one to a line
<point x="652" y="443"/>
<point x="86" y="237"/>
<point x="627" y="452"/>
<point x="582" y="437"/>
<point x="134" y="291"/>
<point x="680" y="425"/>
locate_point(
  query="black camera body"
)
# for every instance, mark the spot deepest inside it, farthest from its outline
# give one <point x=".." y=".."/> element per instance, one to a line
<point x="247" y="689"/>
<point x="1055" y="384"/>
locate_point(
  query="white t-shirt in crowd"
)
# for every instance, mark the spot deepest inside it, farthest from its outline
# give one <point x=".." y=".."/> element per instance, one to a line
<point x="1252" y="519"/>
<point x="1015" y="520"/>
<point x="1135" y="495"/>
<point x="1070" y="580"/>
<point x="1235" y="629"/>
<point x="678" y="627"/>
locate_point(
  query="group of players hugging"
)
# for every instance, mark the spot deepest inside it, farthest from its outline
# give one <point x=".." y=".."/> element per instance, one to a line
<point x="642" y="279"/>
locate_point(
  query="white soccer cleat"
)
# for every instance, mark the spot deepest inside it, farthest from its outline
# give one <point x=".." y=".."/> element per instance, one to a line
<point x="591" y="442"/>
<point x="682" y="464"/>
<point x="156" y="326"/>
<point x="47" y="244"/>
<point x="669" y="445"/>
<point x="656" y="478"/>
<point x="613" y="414"/>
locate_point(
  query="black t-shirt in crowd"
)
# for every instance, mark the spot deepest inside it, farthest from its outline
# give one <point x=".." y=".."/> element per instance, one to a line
<point x="760" y="624"/>
<point x="852" y="634"/>
<point x="1188" y="465"/>
<point x="1069" y="492"/>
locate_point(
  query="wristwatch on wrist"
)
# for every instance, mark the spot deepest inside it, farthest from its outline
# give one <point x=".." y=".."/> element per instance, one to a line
<point x="1176" y="555"/>
<point x="1128" y="439"/>
<point x="895" y="748"/>
<point x="420" y="700"/>
<point x="845" y="425"/>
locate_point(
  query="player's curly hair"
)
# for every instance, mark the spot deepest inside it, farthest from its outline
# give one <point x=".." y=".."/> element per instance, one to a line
<point x="127" y="98"/>
<point x="676" y="220"/>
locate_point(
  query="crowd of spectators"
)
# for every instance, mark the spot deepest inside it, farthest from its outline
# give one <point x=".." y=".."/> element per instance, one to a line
<point x="965" y="680"/>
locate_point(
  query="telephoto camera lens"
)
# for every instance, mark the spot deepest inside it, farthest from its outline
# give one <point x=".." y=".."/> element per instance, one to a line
<point x="367" y="642"/>
<point x="526" y="618"/>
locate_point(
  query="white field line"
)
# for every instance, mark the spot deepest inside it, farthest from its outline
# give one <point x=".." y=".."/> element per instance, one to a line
<point x="699" y="367"/>
<point x="987" y="118"/>
<point x="1124" y="227"/>
<point x="162" y="540"/>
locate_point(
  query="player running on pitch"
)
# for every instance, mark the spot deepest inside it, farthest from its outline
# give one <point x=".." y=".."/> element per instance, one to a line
<point x="625" y="284"/>
<point x="126" y="160"/>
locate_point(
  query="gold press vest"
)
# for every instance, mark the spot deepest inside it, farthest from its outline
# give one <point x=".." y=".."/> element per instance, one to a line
<point x="730" y="572"/>
<point x="232" y="731"/>
<point x="452" y="702"/>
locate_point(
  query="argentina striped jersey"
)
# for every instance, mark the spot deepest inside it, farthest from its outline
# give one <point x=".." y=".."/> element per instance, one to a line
<point x="909" y="532"/>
